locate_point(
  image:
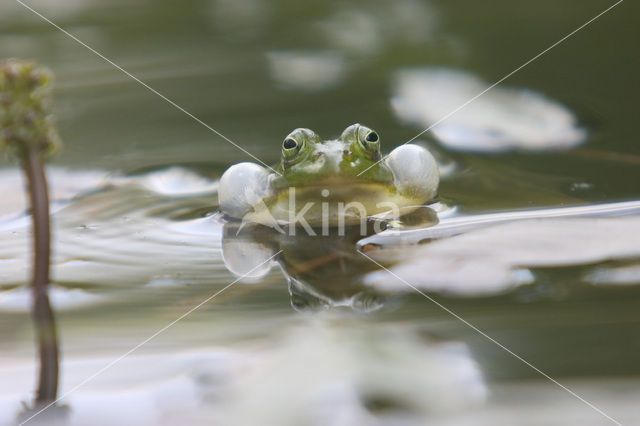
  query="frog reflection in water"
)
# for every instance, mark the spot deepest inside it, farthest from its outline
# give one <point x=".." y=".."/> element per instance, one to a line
<point x="321" y="271"/>
<point x="330" y="183"/>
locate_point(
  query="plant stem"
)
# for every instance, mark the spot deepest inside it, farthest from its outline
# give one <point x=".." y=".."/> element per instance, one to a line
<point x="44" y="319"/>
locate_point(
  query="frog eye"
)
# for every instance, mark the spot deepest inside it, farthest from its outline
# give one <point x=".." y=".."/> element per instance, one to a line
<point x="298" y="145"/>
<point x="289" y="143"/>
<point x="369" y="139"/>
<point x="291" y="146"/>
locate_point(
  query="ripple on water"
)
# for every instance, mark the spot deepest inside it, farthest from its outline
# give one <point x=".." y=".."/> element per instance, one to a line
<point x="61" y="298"/>
<point x="115" y="230"/>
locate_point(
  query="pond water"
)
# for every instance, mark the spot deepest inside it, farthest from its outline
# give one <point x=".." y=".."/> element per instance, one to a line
<point x="316" y="333"/>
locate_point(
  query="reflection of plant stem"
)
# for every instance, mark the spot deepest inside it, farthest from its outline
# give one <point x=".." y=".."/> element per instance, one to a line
<point x="42" y="313"/>
<point x="27" y="131"/>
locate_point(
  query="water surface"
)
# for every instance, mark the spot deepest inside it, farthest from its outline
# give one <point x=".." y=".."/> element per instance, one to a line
<point x="138" y="242"/>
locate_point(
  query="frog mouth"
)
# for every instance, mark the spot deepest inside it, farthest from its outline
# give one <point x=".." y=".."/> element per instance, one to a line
<point x="333" y="203"/>
<point x="338" y="192"/>
<point x="330" y="202"/>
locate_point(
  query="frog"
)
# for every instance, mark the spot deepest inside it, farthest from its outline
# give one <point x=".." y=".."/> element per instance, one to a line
<point x="330" y="182"/>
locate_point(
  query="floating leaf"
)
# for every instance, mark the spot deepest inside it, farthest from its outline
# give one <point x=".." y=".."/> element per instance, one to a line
<point x="496" y="259"/>
<point x="498" y="120"/>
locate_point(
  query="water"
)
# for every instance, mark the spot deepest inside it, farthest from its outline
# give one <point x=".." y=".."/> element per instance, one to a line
<point x="138" y="243"/>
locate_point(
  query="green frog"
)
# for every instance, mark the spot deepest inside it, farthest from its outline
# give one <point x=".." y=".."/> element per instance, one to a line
<point x="330" y="182"/>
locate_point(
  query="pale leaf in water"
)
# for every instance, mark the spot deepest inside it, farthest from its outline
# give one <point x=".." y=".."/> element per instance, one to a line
<point x="315" y="373"/>
<point x="622" y="275"/>
<point x="365" y="32"/>
<point x="494" y="259"/>
<point x="306" y="71"/>
<point x="171" y="181"/>
<point x="320" y="374"/>
<point x="498" y="120"/>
